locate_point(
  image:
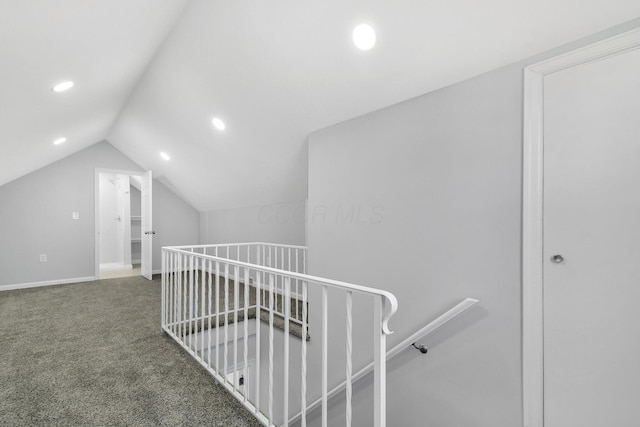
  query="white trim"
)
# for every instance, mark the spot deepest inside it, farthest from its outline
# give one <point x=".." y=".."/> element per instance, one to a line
<point x="594" y="52"/>
<point x="532" y="212"/>
<point x="47" y="283"/>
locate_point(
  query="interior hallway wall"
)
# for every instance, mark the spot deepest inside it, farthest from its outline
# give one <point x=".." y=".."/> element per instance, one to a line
<point x="274" y="223"/>
<point x="35" y="218"/>
<point x="423" y="198"/>
<point x="174" y="221"/>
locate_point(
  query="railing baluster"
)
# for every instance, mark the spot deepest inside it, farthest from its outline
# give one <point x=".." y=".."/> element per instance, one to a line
<point x="178" y="298"/>
<point x="246" y="331"/>
<point x="173" y="292"/>
<point x="325" y="355"/>
<point x="236" y="308"/>
<point x="194" y="314"/>
<point x="297" y="289"/>
<point x="167" y="262"/>
<point x="203" y="286"/>
<point x="287" y="316"/>
<point x="303" y="386"/>
<point x="176" y="288"/>
<point x="380" y="365"/>
<point x="191" y="301"/>
<point x="169" y="290"/>
<point x="271" y="295"/>
<point x="209" y="318"/>
<point x="217" y="302"/>
<point x="183" y="297"/>
<point x="226" y="317"/>
<point x="349" y="356"/>
<point x="281" y="281"/>
<point x="163" y="297"/>
<point x="258" y="285"/>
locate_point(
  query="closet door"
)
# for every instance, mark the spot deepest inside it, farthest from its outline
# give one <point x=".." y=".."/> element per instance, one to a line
<point x="592" y="244"/>
<point x="146" y="258"/>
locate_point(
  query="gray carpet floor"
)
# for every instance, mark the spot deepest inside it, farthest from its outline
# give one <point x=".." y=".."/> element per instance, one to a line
<point x="92" y="354"/>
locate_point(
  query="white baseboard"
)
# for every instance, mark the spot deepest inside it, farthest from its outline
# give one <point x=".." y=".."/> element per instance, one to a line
<point x="47" y="283"/>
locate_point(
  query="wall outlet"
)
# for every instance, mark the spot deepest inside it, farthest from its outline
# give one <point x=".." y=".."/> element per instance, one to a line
<point x="43" y="257"/>
<point x="75" y="215"/>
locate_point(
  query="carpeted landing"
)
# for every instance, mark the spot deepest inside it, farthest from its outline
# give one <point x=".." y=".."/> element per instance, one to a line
<point x="92" y="354"/>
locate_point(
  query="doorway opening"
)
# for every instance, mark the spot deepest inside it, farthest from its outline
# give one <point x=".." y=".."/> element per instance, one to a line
<point x="123" y="224"/>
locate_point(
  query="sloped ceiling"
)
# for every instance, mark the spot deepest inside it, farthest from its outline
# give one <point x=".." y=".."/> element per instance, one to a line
<point x="273" y="70"/>
<point x="103" y="46"/>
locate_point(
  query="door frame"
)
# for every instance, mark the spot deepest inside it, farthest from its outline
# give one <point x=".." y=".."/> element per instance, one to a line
<point x="97" y="173"/>
<point x="532" y="211"/>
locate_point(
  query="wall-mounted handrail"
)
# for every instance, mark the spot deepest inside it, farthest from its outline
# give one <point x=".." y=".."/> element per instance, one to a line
<point x="429" y="328"/>
<point x="432" y="326"/>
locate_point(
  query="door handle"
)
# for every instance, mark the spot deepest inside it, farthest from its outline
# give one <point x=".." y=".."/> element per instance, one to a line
<point x="150" y="232"/>
<point x="557" y="259"/>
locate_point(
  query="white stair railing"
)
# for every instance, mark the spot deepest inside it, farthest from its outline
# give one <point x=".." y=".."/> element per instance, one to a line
<point x="290" y="258"/>
<point x="211" y="293"/>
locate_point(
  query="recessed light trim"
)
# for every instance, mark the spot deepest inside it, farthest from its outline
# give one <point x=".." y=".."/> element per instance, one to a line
<point x="364" y="36"/>
<point x="61" y="87"/>
<point x="59" y="141"/>
<point x="165" y="156"/>
<point x="218" y="123"/>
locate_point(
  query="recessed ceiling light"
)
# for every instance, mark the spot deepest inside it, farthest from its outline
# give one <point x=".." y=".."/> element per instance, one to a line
<point x="164" y="155"/>
<point x="364" y="37"/>
<point x="218" y="124"/>
<point x="59" y="141"/>
<point x="61" y="87"/>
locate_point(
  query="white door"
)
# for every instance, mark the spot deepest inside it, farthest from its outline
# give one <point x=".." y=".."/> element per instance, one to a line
<point x="146" y="257"/>
<point x="592" y="227"/>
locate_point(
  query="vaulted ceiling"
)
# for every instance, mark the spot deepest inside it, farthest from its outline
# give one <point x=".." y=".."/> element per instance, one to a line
<point x="150" y="75"/>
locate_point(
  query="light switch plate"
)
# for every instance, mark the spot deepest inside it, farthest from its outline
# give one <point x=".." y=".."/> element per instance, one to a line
<point x="75" y="215"/>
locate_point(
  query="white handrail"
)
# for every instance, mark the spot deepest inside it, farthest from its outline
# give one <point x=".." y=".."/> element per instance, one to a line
<point x="429" y="328"/>
<point x="197" y="288"/>
<point x="221" y="245"/>
<point x="391" y="300"/>
<point x="437" y="323"/>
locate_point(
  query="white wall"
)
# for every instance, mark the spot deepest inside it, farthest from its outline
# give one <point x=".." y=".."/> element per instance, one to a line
<point x="437" y="182"/>
<point x="272" y="223"/>
<point x="35" y="218"/>
<point x="423" y="198"/>
<point x="174" y="221"/>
